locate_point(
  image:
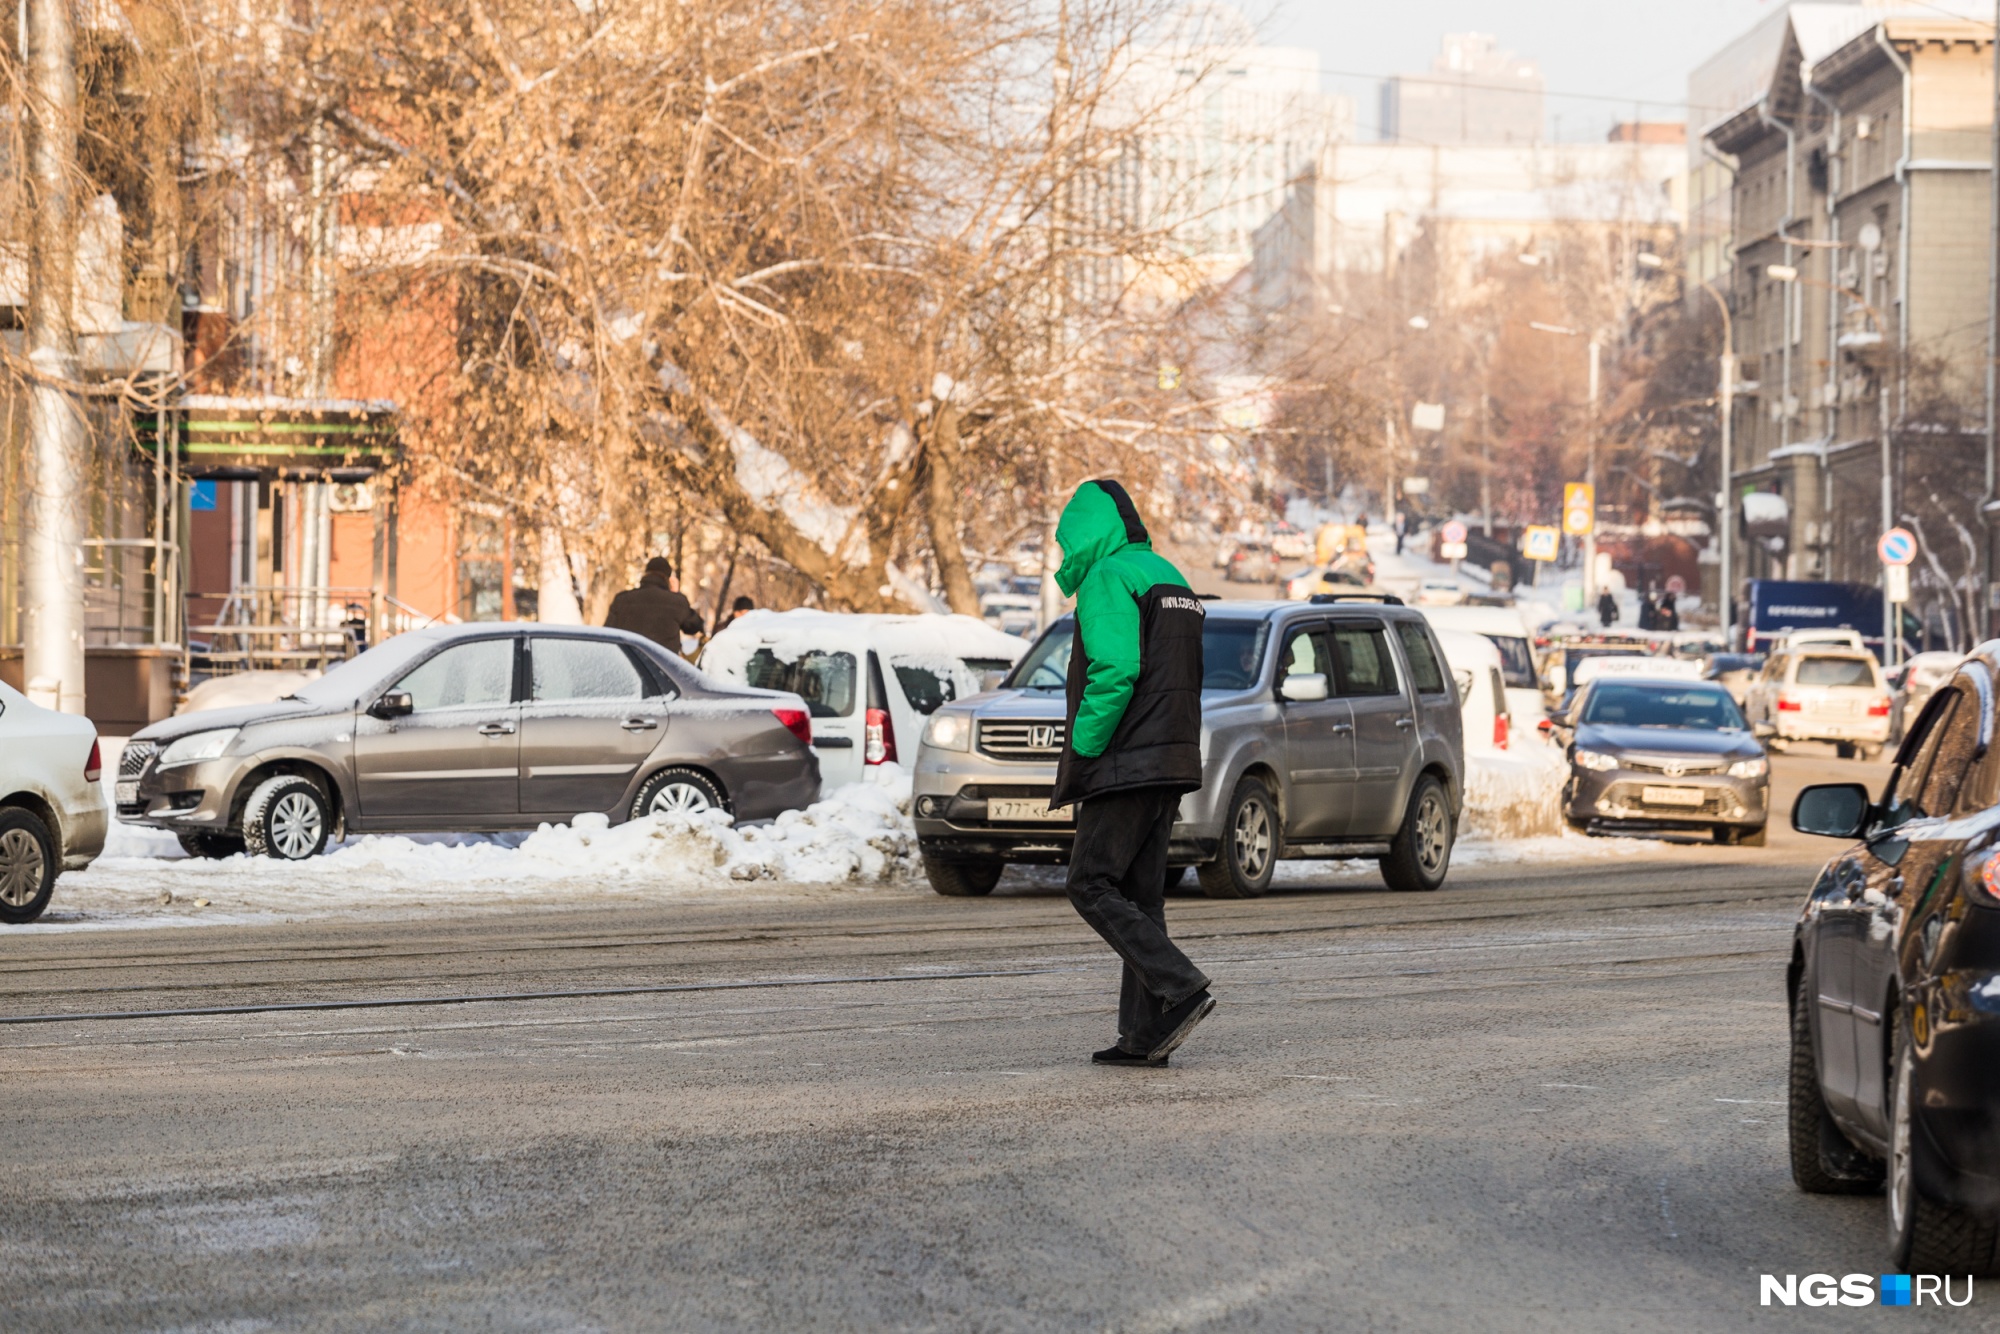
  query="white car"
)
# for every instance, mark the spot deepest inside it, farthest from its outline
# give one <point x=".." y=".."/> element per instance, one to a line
<point x="1440" y="592"/>
<point x="53" y="815"/>
<point x="1507" y="632"/>
<point x="1478" y="669"/>
<point x="870" y="680"/>
<point x="1822" y="694"/>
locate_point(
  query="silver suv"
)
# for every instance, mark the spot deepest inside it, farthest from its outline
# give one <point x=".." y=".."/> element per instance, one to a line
<point x="1329" y="729"/>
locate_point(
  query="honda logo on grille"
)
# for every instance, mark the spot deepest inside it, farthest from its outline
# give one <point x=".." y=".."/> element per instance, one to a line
<point x="1042" y="738"/>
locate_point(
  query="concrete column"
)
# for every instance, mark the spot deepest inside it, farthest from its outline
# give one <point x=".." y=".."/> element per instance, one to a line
<point x="1806" y="544"/>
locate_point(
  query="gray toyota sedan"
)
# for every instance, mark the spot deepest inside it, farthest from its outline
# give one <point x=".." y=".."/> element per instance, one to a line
<point x="1663" y="755"/>
<point x="475" y="728"/>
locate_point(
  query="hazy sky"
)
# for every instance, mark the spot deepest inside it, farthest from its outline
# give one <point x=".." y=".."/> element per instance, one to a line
<point x="1618" y="49"/>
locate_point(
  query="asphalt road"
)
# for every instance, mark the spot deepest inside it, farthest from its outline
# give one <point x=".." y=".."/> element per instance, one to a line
<point x="1542" y="1098"/>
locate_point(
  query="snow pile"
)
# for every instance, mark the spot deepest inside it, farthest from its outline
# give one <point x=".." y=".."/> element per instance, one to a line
<point x="1516" y="793"/>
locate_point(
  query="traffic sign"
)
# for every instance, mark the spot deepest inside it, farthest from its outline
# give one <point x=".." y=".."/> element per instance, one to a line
<point x="1579" y="508"/>
<point x="1454" y="533"/>
<point x="1451" y="551"/>
<point x="1896" y="581"/>
<point x="1897" y="547"/>
<point x="1540" y="543"/>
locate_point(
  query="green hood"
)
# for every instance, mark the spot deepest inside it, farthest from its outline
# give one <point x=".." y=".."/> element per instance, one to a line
<point x="1099" y="521"/>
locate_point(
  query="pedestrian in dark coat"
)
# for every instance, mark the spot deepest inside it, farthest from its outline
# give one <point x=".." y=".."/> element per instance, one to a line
<point x="1670" y="611"/>
<point x="1607" y="609"/>
<point x="1132" y="748"/>
<point x="654" y="609"/>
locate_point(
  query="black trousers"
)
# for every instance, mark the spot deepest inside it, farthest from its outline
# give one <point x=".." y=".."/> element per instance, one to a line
<point x="1117" y="881"/>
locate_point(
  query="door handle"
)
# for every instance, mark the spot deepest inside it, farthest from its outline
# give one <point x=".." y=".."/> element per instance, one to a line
<point x="1338" y="728"/>
<point x="640" y="725"/>
<point x="1406" y="722"/>
<point x="496" y="729"/>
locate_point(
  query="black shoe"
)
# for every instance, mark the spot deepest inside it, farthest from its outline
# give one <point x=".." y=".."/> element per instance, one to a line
<point x="1119" y="1056"/>
<point x="1177" y="1023"/>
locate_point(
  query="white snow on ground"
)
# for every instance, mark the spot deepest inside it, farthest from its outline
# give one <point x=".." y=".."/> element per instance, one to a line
<point x="857" y="838"/>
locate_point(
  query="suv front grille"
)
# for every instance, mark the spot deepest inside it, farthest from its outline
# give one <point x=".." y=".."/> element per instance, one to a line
<point x="1022" y="741"/>
<point x="137" y="754"/>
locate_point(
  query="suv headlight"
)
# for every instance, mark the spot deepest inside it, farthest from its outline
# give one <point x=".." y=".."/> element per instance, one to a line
<point x="1756" y="768"/>
<point x="949" y="731"/>
<point x="1590" y="759"/>
<point x="198" y="746"/>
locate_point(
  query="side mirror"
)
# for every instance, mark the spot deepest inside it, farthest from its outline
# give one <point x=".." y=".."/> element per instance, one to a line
<point x="1303" y="688"/>
<point x="393" y="704"/>
<point x="1835" y="810"/>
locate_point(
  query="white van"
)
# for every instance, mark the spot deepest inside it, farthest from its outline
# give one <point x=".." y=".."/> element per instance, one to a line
<point x="1508" y="633"/>
<point x="870" y="680"/>
<point x="1478" y="669"/>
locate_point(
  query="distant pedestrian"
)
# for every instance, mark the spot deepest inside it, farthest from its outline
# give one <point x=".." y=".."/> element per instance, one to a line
<point x="1670" y="612"/>
<point x="1133" y="749"/>
<point x="1649" y="612"/>
<point x="1607" y="609"/>
<point x="737" y="610"/>
<point x="1402" y="527"/>
<point x="655" y="609"/>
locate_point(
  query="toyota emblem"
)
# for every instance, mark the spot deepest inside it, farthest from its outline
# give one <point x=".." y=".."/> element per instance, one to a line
<point x="1673" y="770"/>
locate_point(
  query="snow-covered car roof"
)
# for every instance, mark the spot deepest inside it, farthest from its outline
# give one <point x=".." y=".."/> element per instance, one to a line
<point x="922" y="636"/>
<point x="1658" y="669"/>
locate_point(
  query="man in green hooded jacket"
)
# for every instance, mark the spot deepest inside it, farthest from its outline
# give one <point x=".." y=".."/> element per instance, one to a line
<point x="1133" y="748"/>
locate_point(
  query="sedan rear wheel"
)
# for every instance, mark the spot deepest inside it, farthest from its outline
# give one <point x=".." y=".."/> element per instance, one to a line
<point x="963" y="880"/>
<point x="1925" y="1235"/>
<point x="28" y="865"/>
<point x="678" y="792"/>
<point x="1249" y="846"/>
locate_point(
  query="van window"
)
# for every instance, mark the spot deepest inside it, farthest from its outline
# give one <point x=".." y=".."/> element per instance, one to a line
<point x="825" y="681"/>
<point x="1517" y="661"/>
<point x="925" y="687"/>
<point x="1835" y="672"/>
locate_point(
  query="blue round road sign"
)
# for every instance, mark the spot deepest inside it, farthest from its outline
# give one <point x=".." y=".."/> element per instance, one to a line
<point x="1897" y="547"/>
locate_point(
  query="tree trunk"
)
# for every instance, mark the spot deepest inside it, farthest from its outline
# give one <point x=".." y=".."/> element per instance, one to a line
<point x="942" y="453"/>
<point x="556" y="602"/>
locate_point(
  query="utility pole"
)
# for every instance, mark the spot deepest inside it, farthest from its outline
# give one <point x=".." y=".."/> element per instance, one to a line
<point x="1725" y="505"/>
<point x="52" y="545"/>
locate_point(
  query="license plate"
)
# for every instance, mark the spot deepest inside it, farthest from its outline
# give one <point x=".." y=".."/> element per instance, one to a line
<point x="1024" y="809"/>
<point x="128" y="792"/>
<point x="1673" y="796"/>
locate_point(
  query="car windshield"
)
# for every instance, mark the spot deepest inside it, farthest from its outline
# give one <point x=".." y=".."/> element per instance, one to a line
<point x="1639" y="704"/>
<point x="1232" y="654"/>
<point x="1835" y="672"/>
<point x="346" y="682"/>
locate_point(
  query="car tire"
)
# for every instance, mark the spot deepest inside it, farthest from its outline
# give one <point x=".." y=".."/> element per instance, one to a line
<point x="29" y="863"/>
<point x="687" y="791"/>
<point x="287" y="817"/>
<point x="1175" y="876"/>
<point x="1823" y="1161"/>
<point x="1420" y="853"/>
<point x="1251" y="835"/>
<point x="963" y="880"/>
<point x="209" y="846"/>
<point x="1925" y="1235"/>
<point x="1736" y="836"/>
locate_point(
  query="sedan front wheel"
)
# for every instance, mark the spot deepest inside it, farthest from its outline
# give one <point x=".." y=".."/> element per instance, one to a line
<point x="287" y="817"/>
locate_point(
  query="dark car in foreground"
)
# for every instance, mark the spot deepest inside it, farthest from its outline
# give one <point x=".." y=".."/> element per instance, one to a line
<point x="1894" y="987"/>
<point x="475" y="728"/>
<point x="1663" y="755"/>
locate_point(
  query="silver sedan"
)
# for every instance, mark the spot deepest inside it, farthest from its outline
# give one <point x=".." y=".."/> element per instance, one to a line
<point x="476" y="728"/>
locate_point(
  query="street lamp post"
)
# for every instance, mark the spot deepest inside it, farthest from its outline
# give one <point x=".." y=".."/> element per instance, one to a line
<point x="1590" y="458"/>
<point x="1725" y="510"/>
<point x="1787" y="273"/>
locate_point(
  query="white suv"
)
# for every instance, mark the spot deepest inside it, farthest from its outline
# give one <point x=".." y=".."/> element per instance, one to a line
<point x="53" y="815"/>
